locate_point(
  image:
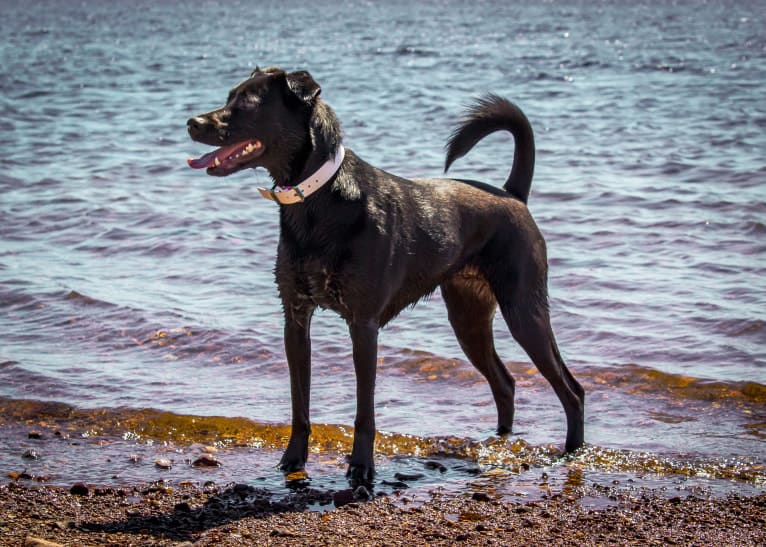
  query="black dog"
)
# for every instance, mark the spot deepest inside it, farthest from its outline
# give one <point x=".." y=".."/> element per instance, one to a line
<point x="367" y="244"/>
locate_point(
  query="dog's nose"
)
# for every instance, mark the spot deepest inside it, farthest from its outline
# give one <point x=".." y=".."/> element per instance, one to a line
<point x="195" y="125"/>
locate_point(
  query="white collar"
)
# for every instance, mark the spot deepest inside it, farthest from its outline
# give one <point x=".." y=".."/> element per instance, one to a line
<point x="295" y="194"/>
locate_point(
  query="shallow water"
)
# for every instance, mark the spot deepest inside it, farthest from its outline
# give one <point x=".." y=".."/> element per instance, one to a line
<point x="128" y="282"/>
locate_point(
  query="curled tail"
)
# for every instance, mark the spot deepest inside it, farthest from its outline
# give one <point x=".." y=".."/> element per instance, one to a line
<point x="489" y="114"/>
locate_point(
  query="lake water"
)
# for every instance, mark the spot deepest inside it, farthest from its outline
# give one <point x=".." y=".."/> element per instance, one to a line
<point x="137" y="295"/>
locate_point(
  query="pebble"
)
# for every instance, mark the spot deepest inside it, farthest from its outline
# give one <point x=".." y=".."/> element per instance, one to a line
<point x="435" y="465"/>
<point x="282" y="533"/>
<point x="396" y="484"/>
<point x="37" y="542"/>
<point x="206" y="460"/>
<point x="408" y="476"/>
<point x="342" y="497"/>
<point x="495" y="471"/>
<point x="23" y="475"/>
<point x="163" y="463"/>
<point x="480" y="496"/>
<point x="31" y="454"/>
<point x="78" y="489"/>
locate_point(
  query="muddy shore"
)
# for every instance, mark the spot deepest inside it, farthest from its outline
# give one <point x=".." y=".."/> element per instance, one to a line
<point x="189" y="514"/>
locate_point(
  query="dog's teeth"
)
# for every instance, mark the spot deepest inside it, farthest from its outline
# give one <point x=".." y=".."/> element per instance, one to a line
<point x="217" y="162"/>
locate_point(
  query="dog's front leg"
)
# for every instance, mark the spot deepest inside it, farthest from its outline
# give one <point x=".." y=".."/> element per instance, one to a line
<point x="298" y="351"/>
<point x="364" y="337"/>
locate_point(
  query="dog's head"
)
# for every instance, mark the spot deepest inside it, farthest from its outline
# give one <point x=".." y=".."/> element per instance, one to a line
<point x="266" y="122"/>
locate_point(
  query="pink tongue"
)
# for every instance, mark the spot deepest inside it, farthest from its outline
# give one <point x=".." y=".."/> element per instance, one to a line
<point x="204" y="161"/>
<point x="208" y="160"/>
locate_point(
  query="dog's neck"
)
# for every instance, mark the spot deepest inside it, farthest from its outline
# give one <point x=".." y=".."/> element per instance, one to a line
<point x="314" y="162"/>
<point x="299" y="190"/>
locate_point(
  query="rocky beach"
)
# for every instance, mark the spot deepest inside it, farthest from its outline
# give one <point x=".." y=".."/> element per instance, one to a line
<point x="189" y="514"/>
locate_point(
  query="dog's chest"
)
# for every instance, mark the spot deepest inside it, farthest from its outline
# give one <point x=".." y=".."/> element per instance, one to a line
<point x="325" y="288"/>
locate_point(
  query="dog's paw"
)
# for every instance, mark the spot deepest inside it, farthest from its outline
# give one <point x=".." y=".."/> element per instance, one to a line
<point x="360" y="475"/>
<point x="291" y="467"/>
<point x="295" y="456"/>
<point x="291" y="464"/>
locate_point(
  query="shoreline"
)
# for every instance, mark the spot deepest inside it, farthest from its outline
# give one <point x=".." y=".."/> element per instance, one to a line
<point x="239" y="514"/>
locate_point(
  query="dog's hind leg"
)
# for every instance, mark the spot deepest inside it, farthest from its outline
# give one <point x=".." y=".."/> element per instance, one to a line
<point x="525" y="310"/>
<point x="471" y="309"/>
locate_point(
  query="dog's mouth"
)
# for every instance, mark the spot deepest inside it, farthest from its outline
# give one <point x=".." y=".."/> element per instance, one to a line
<point x="228" y="159"/>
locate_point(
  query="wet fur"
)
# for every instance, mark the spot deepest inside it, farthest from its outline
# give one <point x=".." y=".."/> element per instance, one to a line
<point x="369" y="244"/>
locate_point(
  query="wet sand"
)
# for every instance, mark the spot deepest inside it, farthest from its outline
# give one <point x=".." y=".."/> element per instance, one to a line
<point x="186" y="514"/>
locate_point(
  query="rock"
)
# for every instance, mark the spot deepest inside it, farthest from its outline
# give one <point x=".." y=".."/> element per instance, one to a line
<point x="398" y="485"/>
<point x="206" y="460"/>
<point x="31" y="454"/>
<point x="36" y="435"/>
<point x="408" y="476"/>
<point x="242" y="488"/>
<point x="163" y="463"/>
<point x="480" y="496"/>
<point x="242" y="491"/>
<point x="435" y="465"/>
<point x="342" y="497"/>
<point x="37" y="542"/>
<point x="282" y="533"/>
<point x="79" y="489"/>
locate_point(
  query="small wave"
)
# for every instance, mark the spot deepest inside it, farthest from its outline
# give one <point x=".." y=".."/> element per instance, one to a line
<point x="85" y="299"/>
<point x="644" y="380"/>
<point x="424" y="366"/>
<point x="631" y="378"/>
<point x="754" y="228"/>
<point x="17" y="301"/>
<point x="407" y="50"/>
<point x="740" y="327"/>
<point x="34" y="94"/>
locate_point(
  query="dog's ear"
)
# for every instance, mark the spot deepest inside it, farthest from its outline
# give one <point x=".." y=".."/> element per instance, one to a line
<point x="303" y="86"/>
